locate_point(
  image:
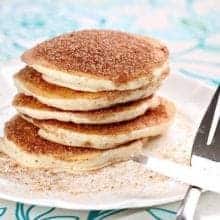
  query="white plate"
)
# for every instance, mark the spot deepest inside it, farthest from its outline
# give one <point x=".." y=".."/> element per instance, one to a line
<point x="121" y="186"/>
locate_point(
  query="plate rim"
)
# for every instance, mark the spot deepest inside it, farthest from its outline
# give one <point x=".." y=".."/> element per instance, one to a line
<point x="74" y="206"/>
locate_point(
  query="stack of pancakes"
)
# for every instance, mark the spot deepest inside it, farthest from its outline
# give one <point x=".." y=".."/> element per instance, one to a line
<point x="86" y="100"/>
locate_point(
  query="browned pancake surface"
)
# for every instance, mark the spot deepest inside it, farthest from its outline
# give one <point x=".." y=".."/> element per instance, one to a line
<point x="113" y="55"/>
<point x="21" y="100"/>
<point x="25" y="136"/>
<point x="35" y="83"/>
<point x="161" y="114"/>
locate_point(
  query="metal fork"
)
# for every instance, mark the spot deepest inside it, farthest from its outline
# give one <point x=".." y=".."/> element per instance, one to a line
<point x="202" y="148"/>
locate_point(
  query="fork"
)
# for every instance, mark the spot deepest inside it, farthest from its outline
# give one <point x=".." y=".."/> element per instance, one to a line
<point x="203" y="148"/>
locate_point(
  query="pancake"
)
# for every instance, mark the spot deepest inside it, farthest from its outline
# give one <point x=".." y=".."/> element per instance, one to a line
<point x="22" y="143"/>
<point x="99" y="60"/>
<point x="154" y="122"/>
<point x="30" y="106"/>
<point x="81" y="83"/>
<point x="30" y="82"/>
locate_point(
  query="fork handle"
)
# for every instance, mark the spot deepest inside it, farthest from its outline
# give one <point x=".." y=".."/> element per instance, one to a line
<point x="188" y="206"/>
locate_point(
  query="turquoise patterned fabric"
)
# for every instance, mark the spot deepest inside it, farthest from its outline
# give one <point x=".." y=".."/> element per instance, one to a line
<point x="20" y="211"/>
<point x="190" y="28"/>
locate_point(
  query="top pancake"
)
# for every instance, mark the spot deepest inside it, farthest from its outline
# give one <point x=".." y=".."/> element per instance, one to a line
<point x="114" y="57"/>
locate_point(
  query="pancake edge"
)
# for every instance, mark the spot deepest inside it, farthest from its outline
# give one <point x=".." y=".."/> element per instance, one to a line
<point x="83" y="104"/>
<point x="90" y="118"/>
<point x="84" y="82"/>
<point x="98" y="161"/>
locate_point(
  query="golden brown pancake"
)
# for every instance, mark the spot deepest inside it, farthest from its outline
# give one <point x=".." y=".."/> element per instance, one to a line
<point x="30" y="82"/>
<point x="99" y="60"/>
<point x="22" y="143"/>
<point x="154" y="122"/>
<point x="31" y="107"/>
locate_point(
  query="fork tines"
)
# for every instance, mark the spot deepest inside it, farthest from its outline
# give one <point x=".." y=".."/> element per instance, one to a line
<point x="200" y="143"/>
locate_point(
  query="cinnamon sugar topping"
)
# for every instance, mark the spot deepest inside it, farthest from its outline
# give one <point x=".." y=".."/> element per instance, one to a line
<point x="25" y="135"/>
<point x="112" y="55"/>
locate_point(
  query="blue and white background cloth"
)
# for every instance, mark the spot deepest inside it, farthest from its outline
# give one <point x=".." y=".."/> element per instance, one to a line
<point x="190" y="28"/>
